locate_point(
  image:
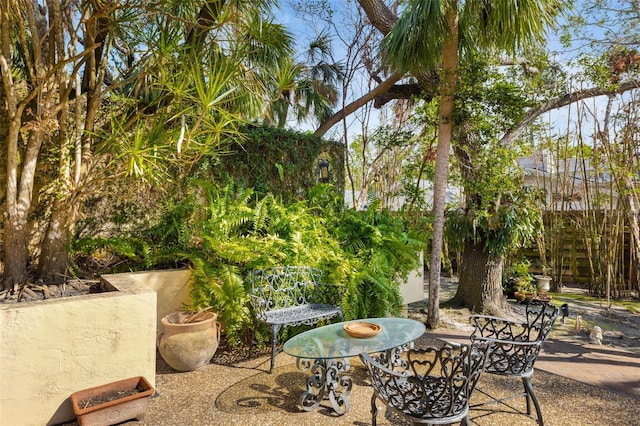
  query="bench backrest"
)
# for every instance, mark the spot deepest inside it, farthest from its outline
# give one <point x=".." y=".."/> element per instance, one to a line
<point x="283" y="287"/>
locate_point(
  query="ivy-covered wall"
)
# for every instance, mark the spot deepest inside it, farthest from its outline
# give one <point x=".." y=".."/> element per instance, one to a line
<point x="273" y="160"/>
<point x="282" y="162"/>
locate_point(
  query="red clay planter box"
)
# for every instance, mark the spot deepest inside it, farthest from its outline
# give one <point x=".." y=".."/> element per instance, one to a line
<point x="112" y="403"/>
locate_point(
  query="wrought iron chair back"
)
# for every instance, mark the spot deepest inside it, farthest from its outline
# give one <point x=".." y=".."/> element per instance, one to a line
<point x="515" y="347"/>
<point x="431" y="385"/>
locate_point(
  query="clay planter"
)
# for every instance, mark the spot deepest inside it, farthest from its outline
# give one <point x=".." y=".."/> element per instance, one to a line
<point x="523" y="297"/>
<point x="112" y="403"/>
<point x="188" y="341"/>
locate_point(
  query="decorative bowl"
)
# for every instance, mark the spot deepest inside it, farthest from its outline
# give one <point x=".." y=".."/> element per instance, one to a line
<point x="361" y="329"/>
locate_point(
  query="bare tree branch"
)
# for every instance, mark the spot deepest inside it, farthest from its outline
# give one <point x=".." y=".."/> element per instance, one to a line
<point x="522" y="62"/>
<point x="353" y="106"/>
<point x="398" y="91"/>
<point x="562" y="101"/>
<point x="379" y="14"/>
<point x="383" y="19"/>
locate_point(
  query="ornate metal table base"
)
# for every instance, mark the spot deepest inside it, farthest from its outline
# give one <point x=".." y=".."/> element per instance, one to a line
<point x="325" y="352"/>
<point x="327" y="380"/>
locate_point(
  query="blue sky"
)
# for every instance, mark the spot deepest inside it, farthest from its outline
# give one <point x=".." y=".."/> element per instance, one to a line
<point x="304" y="32"/>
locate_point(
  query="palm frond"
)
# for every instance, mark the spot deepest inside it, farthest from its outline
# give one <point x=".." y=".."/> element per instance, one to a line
<point x="507" y="26"/>
<point x="416" y="41"/>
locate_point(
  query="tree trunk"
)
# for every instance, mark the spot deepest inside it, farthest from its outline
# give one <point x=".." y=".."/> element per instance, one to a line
<point x="18" y="204"/>
<point x="16" y="253"/>
<point x="445" y="131"/>
<point x="362" y="197"/>
<point x="480" y="281"/>
<point x="54" y="255"/>
<point x="379" y="14"/>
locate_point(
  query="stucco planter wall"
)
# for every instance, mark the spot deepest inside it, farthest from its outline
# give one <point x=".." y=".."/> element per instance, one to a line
<point x="171" y="286"/>
<point x="53" y="348"/>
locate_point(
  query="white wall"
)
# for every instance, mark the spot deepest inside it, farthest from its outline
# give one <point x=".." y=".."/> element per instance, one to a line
<point x="413" y="289"/>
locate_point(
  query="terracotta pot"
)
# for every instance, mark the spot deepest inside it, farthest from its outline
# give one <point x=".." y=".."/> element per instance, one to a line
<point x="187" y="346"/>
<point x="112" y="403"/>
<point x="521" y="296"/>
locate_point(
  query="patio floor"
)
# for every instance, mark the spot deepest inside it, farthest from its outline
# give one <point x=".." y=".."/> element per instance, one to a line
<point x="245" y="394"/>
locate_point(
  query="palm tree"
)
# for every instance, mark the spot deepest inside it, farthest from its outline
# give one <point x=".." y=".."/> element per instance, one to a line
<point x="308" y="87"/>
<point x="431" y="35"/>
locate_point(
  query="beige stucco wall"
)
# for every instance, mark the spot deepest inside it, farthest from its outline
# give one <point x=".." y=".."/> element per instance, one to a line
<point x="52" y="348"/>
<point x="413" y="289"/>
<point x="171" y="286"/>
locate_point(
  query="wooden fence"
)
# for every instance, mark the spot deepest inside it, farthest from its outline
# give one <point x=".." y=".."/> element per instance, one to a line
<point x="571" y="238"/>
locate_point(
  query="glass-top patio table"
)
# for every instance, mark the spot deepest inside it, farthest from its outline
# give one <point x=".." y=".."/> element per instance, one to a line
<point x="325" y="351"/>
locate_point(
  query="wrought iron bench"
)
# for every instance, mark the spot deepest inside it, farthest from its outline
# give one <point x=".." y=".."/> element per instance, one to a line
<point x="290" y="296"/>
<point x="515" y="348"/>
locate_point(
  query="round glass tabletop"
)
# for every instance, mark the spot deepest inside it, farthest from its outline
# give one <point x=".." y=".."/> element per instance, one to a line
<point x="332" y="341"/>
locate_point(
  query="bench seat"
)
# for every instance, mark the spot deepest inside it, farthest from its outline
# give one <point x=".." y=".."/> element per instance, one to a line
<point x="304" y="314"/>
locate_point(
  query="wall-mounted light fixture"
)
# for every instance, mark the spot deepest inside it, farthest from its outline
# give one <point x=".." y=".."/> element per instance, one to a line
<point x="324" y="175"/>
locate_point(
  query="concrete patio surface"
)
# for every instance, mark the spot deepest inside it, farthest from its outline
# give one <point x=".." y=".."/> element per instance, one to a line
<point x="577" y="383"/>
<point x="573" y="387"/>
<point x="598" y="365"/>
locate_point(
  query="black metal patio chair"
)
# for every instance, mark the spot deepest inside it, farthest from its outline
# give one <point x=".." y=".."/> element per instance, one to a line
<point x="427" y="386"/>
<point x="514" y="350"/>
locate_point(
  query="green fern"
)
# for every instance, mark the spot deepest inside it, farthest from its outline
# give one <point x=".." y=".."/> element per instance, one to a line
<point x="224" y="233"/>
<point x="378" y="239"/>
<point x="222" y="288"/>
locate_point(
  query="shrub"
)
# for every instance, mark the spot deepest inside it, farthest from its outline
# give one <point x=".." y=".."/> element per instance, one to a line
<point x="226" y="232"/>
